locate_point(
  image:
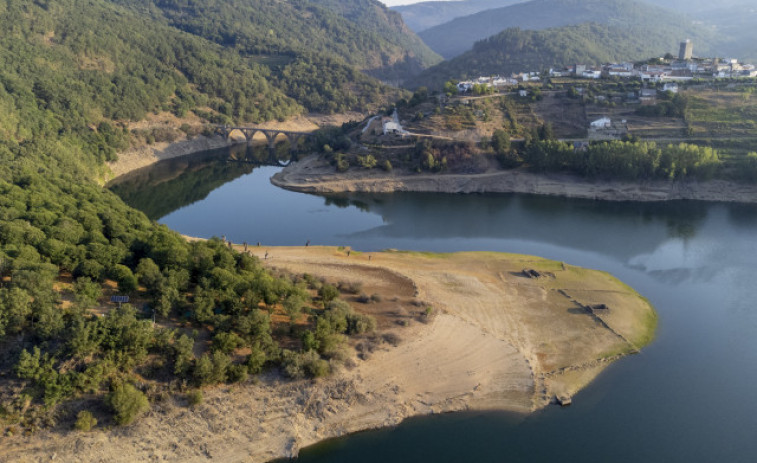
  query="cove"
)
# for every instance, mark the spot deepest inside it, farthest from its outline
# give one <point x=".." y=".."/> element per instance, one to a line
<point x="687" y="397"/>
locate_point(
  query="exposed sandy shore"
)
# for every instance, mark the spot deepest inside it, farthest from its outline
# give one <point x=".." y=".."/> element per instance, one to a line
<point x="499" y="341"/>
<point x="142" y="156"/>
<point x="313" y="175"/>
<point x="137" y="157"/>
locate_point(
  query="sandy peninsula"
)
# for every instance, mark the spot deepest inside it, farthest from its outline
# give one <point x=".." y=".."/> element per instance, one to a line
<point x="496" y="340"/>
<point x="314" y="175"/>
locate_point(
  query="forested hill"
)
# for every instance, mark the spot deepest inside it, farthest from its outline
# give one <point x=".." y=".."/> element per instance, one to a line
<point x="516" y="50"/>
<point x="457" y="36"/>
<point x="362" y="33"/>
<point x="73" y="73"/>
<point x="423" y="15"/>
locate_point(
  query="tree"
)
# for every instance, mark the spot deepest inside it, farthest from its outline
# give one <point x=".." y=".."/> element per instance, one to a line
<point x="328" y="293"/>
<point x="127" y="403"/>
<point x="183" y="354"/>
<point x="500" y="141"/>
<point x="309" y="342"/>
<point x="450" y="88"/>
<point x="15" y="310"/>
<point x="86" y="292"/>
<point x="293" y="305"/>
<point x="149" y="275"/>
<point x="127" y="282"/>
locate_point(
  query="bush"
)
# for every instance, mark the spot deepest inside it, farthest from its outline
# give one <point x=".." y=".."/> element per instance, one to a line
<point x="127" y="403"/>
<point x="85" y="421"/>
<point x="194" y="397"/>
<point x="256" y="360"/>
<point x="237" y="373"/>
<point x="351" y="287"/>
<point x="126" y="280"/>
<point x="367" y="162"/>
<point x="300" y="365"/>
<point x="328" y="293"/>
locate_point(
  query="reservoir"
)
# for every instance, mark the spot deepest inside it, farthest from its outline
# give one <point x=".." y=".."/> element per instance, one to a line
<point x="689" y="396"/>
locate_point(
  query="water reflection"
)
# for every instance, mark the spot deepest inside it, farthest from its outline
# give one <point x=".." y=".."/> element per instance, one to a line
<point x="171" y="184"/>
<point x="583" y="224"/>
<point x="688" y="397"/>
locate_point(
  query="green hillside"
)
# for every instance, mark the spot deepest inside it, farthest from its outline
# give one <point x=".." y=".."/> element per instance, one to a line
<point x="456" y="37"/>
<point x="360" y="33"/>
<point x="73" y="73"/>
<point x="516" y="50"/>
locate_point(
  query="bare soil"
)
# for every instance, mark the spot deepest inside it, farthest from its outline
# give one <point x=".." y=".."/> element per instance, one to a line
<point x="314" y="175"/>
<point x="495" y="339"/>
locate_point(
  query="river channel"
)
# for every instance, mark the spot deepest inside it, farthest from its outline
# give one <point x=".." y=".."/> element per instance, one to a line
<point x="690" y="396"/>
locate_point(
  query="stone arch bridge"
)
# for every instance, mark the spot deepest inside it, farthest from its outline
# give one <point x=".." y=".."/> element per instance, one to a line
<point x="270" y="134"/>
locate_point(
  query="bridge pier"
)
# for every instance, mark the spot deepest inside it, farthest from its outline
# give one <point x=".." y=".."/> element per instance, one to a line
<point x="270" y="135"/>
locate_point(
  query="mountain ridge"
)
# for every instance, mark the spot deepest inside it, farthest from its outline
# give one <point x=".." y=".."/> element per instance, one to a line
<point x="543" y="14"/>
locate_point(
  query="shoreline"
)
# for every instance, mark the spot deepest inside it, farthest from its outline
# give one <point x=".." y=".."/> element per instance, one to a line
<point x="137" y="157"/>
<point x="314" y="175"/>
<point x="499" y="341"/>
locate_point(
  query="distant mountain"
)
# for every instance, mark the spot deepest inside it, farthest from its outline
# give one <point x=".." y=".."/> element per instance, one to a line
<point x="734" y="26"/>
<point x="694" y="6"/>
<point x="458" y="36"/>
<point x="516" y="50"/>
<point x="423" y="15"/>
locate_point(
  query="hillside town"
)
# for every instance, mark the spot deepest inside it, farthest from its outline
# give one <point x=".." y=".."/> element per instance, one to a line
<point x="666" y="69"/>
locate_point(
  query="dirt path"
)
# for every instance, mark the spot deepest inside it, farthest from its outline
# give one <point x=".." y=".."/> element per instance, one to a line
<point x="497" y="340"/>
<point x="312" y="175"/>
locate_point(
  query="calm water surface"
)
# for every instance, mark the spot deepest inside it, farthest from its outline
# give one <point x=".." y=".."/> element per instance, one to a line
<point x="690" y="396"/>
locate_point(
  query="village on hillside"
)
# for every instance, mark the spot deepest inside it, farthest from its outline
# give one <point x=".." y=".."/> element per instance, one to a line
<point x="666" y="69"/>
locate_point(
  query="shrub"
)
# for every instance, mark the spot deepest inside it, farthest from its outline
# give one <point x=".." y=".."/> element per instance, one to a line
<point x="237" y="373"/>
<point x="367" y="162"/>
<point x="85" y="421"/>
<point x="300" y="365"/>
<point x="255" y="360"/>
<point x="351" y="287"/>
<point x="127" y="403"/>
<point x="328" y="293"/>
<point x="194" y="397"/>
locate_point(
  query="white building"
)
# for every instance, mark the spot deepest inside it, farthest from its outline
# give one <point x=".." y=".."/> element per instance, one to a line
<point x="392" y="127"/>
<point x="670" y="87"/>
<point x="465" y="86"/>
<point x="592" y="74"/>
<point x="602" y="123"/>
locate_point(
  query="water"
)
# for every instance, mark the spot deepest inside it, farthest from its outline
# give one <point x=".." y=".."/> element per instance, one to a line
<point x="690" y="396"/>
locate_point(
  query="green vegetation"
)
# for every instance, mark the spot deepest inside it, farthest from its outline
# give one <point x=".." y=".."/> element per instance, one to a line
<point x="73" y="73"/>
<point x="517" y="50"/>
<point x="624" y="160"/>
<point x="651" y="24"/>
<point x="127" y="403"/>
<point x="85" y="421"/>
<point x="359" y="33"/>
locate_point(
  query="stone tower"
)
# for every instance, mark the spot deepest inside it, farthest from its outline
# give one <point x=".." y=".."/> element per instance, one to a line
<point x="685" y="51"/>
